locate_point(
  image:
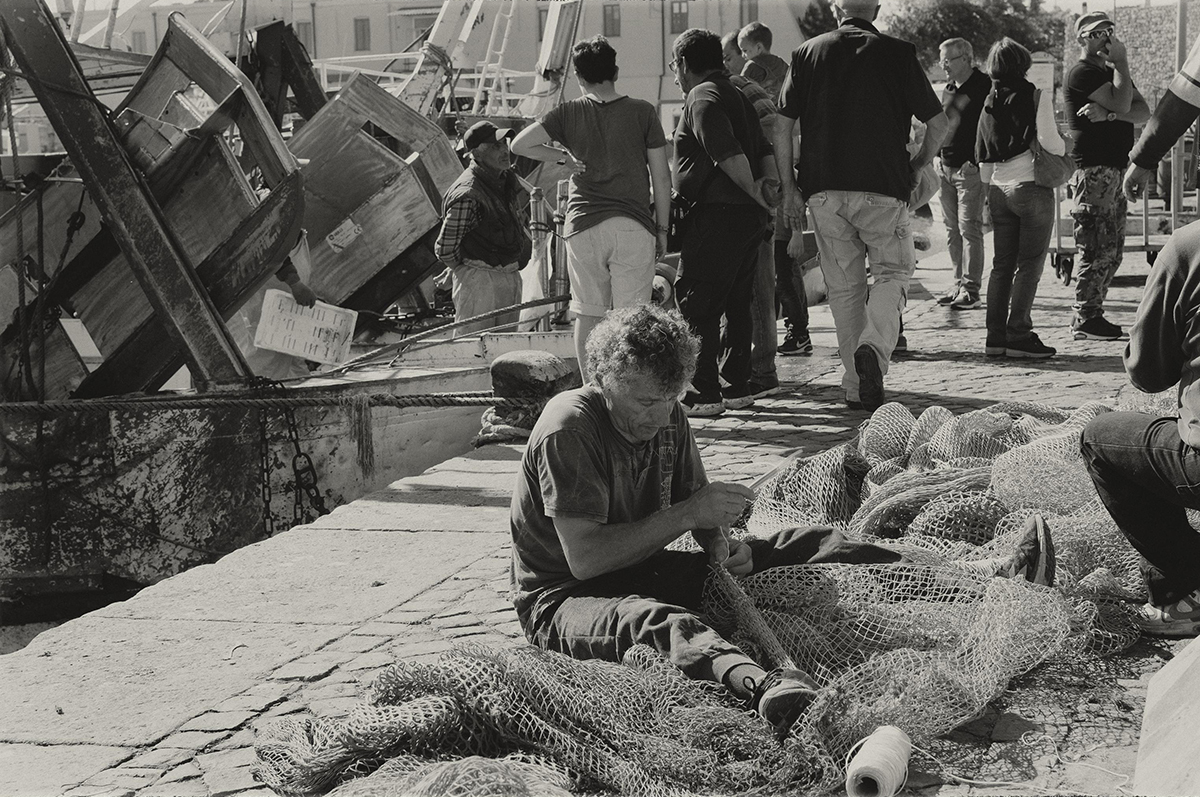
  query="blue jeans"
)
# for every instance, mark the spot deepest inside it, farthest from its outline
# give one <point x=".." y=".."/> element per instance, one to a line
<point x="855" y="228"/>
<point x="656" y="602"/>
<point x="1146" y="476"/>
<point x="961" y="195"/>
<point x="1022" y="220"/>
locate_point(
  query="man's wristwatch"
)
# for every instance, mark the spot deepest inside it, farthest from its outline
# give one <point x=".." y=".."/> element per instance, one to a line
<point x="1112" y="115"/>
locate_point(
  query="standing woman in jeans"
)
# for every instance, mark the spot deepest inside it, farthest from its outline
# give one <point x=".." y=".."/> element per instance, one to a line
<point x="1022" y="210"/>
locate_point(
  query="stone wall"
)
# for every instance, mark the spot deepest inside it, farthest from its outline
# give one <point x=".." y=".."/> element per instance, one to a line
<point x="1149" y="33"/>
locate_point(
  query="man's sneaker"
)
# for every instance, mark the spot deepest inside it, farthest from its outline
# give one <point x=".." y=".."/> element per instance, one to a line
<point x="949" y="296"/>
<point x="762" y="390"/>
<point x="736" y="398"/>
<point x="781" y="697"/>
<point x="1179" y="619"/>
<point x="870" y="378"/>
<point x="995" y="348"/>
<point x="1034" y="558"/>
<point x="698" y="407"/>
<point x="1030" y="347"/>
<point x="796" y="347"/>
<point x="901" y="346"/>
<point x="966" y="300"/>
<point x="1096" y="328"/>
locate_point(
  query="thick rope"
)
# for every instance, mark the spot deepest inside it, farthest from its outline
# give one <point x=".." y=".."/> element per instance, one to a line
<point x="50" y="408"/>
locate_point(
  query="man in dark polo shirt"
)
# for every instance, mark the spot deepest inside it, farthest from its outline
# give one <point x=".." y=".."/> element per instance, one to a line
<point x="961" y="191"/>
<point x="854" y="92"/>
<point x="725" y="167"/>
<point x="1103" y="105"/>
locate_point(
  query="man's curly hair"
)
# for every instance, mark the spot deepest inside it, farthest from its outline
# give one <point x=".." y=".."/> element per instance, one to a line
<point x="643" y="339"/>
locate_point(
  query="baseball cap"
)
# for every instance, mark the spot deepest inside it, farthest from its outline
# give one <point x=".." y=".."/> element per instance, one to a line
<point x="485" y="133"/>
<point x="1090" y="21"/>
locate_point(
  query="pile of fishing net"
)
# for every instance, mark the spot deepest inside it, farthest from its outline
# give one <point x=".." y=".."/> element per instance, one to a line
<point x="924" y="645"/>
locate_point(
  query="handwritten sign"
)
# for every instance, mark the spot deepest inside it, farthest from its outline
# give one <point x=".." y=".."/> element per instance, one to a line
<point x="321" y="333"/>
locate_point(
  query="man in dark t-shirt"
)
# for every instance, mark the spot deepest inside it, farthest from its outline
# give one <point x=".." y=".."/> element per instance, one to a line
<point x="854" y="93"/>
<point x="1102" y="106"/>
<point x="725" y="167"/>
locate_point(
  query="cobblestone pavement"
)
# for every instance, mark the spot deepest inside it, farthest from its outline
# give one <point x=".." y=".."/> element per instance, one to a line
<point x="163" y="695"/>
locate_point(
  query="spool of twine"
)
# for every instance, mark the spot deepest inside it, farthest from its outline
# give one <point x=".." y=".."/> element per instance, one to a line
<point x="880" y="768"/>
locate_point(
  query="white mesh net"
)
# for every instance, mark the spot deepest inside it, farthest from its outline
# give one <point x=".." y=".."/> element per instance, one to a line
<point x="924" y="645"/>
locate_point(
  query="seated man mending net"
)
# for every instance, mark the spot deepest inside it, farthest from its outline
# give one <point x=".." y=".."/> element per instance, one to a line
<point x="612" y="476"/>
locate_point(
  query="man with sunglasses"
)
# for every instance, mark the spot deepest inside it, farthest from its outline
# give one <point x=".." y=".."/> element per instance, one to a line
<point x="1103" y="105"/>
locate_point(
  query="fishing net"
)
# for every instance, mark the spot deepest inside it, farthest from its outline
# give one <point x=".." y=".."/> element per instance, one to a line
<point x="925" y="645"/>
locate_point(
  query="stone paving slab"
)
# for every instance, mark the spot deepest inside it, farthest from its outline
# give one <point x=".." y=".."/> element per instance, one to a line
<point x="37" y="770"/>
<point x="438" y="544"/>
<point x="123" y="682"/>
<point x="312" y="575"/>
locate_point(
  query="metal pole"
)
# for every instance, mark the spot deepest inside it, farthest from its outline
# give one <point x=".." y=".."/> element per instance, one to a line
<point x="77" y="20"/>
<point x="1177" y="172"/>
<point x="241" y="34"/>
<point x="112" y="23"/>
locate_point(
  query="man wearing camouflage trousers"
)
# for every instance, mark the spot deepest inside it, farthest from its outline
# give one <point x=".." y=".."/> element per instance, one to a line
<point x="1103" y="105"/>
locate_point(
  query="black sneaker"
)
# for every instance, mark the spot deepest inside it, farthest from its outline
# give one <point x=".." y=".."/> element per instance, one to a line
<point x="781" y="697"/>
<point x="796" y="347"/>
<point x="995" y="348"/>
<point x="870" y="378"/>
<point x="698" y="407"/>
<point x="1034" y="558"/>
<point x="1096" y="328"/>
<point x="948" y="297"/>
<point x="763" y="389"/>
<point x="901" y="346"/>
<point x="1031" y="347"/>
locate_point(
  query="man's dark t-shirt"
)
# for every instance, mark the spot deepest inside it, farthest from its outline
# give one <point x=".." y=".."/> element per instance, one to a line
<point x="718" y="123"/>
<point x="854" y="92"/>
<point x="962" y="105"/>
<point x="1096" y="143"/>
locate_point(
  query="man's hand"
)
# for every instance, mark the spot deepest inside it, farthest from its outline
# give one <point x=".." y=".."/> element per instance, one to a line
<point x="573" y="164"/>
<point x="768" y="187"/>
<point x="1094" y="112"/>
<point x="717" y="504"/>
<point x="1115" y="53"/>
<point x="660" y="244"/>
<point x="1135" y="181"/>
<point x="302" y="294"/>
<point x="793" y="208"/>
<point x="795" y="246"/>
<point x="734" y="555"/>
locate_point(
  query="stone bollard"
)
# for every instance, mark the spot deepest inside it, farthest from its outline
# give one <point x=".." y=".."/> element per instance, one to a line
<point x="524" y="374"/>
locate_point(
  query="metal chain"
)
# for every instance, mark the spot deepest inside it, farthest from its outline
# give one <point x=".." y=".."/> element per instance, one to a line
<point x="264" y="458"/>
<point x="303" y="471"/>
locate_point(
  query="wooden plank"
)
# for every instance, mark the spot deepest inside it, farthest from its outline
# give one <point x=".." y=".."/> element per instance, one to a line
<point x="234" y="270"/>
<point x="406" y="125"/>
<point x="392" y="220"/>
<point x="38" y="45"/>
<point x="59" y="201"/>
<point x="110" y="304"/>
<point x="219" y="78"/>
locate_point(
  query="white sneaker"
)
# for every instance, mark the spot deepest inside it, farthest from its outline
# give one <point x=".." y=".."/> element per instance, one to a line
<point x="1179" y="619"/>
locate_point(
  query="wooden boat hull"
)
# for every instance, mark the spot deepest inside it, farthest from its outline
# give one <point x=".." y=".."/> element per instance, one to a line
<point x="144" y="494"/>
